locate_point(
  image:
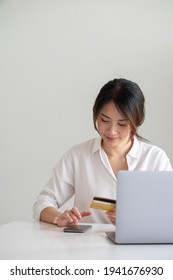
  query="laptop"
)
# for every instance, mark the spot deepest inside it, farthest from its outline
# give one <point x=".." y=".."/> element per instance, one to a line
<point x="144" y="208"/>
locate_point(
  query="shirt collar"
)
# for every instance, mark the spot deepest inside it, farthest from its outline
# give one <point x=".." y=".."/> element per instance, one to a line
<point x="96" y="145"/>
<point x="134" y="151"/>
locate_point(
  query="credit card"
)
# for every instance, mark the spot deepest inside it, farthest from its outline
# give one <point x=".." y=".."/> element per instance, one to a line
<point x="103" y="203"/>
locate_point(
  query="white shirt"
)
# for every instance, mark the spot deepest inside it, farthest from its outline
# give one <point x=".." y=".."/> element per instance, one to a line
<point x="85" y="171"/>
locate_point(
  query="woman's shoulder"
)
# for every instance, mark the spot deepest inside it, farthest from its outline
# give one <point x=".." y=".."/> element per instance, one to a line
<point x="155" y="156"/>
<point x="78" y="153"/>
<point x="146" y="144"/>
<point x="87" y="146"/>
<point x="149" y="147"/>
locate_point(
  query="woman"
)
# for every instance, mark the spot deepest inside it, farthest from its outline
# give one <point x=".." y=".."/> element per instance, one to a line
<point x="89" y="169"/>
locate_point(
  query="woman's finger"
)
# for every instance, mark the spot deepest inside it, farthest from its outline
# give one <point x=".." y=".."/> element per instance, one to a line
<point x="76" y="212"/>
<point x="72" y="216"/>
<point x="86" y="213"/>
<point x="111" y="216"/>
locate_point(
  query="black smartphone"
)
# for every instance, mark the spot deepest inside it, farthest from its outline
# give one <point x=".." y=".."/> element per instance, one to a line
<point x="77" y="228"/>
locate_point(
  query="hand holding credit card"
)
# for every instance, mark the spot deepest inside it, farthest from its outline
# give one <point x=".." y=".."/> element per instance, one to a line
<point x="103" y="203"/>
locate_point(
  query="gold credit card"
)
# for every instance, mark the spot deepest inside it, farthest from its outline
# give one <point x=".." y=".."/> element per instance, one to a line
<point x="103" y="203"/>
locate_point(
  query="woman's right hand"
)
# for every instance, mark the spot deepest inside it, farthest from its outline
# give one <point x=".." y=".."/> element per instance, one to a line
<point x="70" y="217"/>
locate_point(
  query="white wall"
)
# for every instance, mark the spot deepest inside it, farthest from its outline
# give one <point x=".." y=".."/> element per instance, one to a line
<point x="54" y="58"/>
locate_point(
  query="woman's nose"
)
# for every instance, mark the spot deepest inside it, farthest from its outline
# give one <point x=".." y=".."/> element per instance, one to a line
<point x="112" y="129"/>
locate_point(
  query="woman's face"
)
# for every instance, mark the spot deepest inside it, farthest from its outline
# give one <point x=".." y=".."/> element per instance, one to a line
<point x="113" y="127"/>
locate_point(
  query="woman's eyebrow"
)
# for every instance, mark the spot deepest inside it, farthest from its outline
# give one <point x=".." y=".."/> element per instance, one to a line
<point x="120" y="120"/>
<point x="105" y="116"/>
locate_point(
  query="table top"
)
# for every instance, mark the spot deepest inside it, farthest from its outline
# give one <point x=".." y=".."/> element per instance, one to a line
<point x="37" y="241"/>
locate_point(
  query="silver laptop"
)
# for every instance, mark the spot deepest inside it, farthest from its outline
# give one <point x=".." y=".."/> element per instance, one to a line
<point x="144" y="208"/>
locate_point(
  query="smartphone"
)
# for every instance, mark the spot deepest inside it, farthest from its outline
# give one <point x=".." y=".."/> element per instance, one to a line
<point x="77" y="228"/>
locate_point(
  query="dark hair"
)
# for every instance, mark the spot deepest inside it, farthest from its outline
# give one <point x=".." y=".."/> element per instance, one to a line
<point x="128" y="99"/>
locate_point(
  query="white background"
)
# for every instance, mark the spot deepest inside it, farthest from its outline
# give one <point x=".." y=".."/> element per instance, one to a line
<point x="54" y="58"/>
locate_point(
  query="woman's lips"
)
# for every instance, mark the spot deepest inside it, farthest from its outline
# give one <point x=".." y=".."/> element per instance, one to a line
<point x="110" y="138"/>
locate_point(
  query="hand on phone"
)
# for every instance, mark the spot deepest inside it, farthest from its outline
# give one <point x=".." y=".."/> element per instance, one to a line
<point x="71" y="217"/>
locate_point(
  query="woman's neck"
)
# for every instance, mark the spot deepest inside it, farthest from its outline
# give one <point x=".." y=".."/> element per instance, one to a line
<point x="119" y="150"/>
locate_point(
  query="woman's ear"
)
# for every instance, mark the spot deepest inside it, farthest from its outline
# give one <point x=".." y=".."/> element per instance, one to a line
<point x="96" y="125"/>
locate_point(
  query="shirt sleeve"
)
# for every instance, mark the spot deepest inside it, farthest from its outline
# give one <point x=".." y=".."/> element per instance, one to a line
<point x="59" y="189"/>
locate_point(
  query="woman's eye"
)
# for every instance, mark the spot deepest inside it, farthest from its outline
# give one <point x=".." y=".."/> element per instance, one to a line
<point x="122" y="124"/>
<point x="105" y="121"/>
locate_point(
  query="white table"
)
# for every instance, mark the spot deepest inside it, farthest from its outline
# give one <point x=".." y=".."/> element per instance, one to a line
<point x="39" y="241"/>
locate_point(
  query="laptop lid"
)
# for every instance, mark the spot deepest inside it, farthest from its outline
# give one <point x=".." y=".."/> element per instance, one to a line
<point x="144" y="207"/>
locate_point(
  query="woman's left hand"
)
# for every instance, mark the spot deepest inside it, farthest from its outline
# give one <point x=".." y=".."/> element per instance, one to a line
<point x="111" y="216"/>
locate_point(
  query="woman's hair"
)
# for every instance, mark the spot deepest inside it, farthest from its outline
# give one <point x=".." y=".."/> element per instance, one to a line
<point x="128" y="99"/>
